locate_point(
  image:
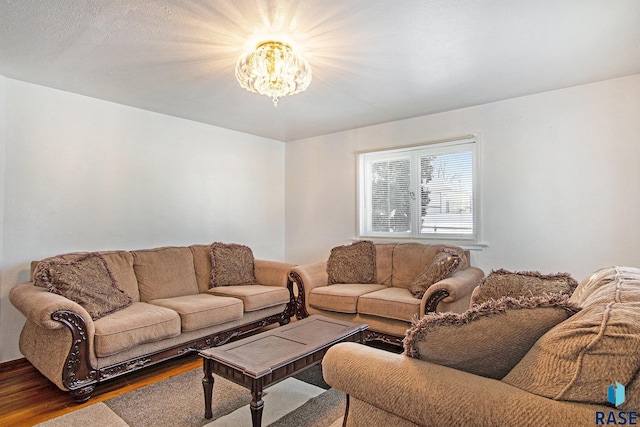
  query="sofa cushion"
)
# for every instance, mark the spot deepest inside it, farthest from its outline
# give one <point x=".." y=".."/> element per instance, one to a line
<point x="85" y="279"/>
<point x="384" y="258"/>
<point x="231" y="265"/>
<point x="202" y="265"/>
<point x="443" y="264"/>
<point x="254" y="297"/>
<point x="490" y="338"/>
<point x="121" y="265"/>
<point x="202" y="310"/>
<point x="164" y="272"/>
<point x="391" y="303"/>
<point x="137" y="324"/>
<point x="409" y="259"/>
<point x="342" y="298"/>
<point x="502" y="283"/>
<point x="596" y="289"/>
<point x="580" y="358"/>
<point x="354" y="263"/>
<point x="272" y="273"/>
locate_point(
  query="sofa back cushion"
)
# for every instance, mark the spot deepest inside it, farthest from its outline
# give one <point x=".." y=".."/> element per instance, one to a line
<point x="202" y="265"/>
<point x="581" y="357"/>
<point x="164" y="272"/>
<point x="409" y="260"/>
<point x="384" y="264"/>
<point x="121" y="265"/>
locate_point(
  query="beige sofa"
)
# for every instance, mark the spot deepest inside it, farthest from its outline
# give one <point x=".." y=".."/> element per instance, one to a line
<point x="386" y="305"/>
<point x="564" y="379"/>
<point x="172" y="311"/>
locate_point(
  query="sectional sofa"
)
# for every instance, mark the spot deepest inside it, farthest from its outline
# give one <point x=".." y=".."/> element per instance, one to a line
<point x="147" y="306"/>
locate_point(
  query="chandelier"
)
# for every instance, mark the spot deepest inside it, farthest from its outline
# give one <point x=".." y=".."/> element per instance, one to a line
<point x="273" y="69"/>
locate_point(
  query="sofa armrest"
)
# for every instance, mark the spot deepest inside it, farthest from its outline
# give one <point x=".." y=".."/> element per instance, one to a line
<point x="454" y="292"/>
<point x="276" y="273"/>
<point x="69" y="360"/>
<point x="39" y="305"/>
<point x="307" y="277"/>
<point x="272" y="273"/>
<point x="429" y="394"/>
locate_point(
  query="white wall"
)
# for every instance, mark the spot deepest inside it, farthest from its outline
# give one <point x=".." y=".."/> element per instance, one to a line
<point x="3" y="113"/>
<point x="83" y="174"/>
<point x="560" y="179"/>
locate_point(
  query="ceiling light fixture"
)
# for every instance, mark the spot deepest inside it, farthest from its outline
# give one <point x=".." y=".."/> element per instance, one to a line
<point x="273" y="69"/>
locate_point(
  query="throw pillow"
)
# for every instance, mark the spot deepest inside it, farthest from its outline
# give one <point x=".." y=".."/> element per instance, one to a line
<point x="502" y="282"/>
<point x="461" y="253"/>
<point x="578" y="360"/>
<point x="445" y="263"/>
<point x="354" y="263"/>
<point x="231" y="265"/>
<point x="489" y="339"/>
<point x="86" y="280"/>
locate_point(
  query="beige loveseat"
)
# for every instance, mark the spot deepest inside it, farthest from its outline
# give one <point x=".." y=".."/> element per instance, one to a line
<point x="170" y="310"/>
<point x="383" y="299"/>
<point x="572" y="375"/>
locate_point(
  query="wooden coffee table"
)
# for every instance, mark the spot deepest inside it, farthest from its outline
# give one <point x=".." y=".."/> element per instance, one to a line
<point x="263" y="359"/>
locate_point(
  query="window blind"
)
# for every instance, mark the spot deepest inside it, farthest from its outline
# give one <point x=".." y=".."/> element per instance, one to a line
<point x="426" y="191"/>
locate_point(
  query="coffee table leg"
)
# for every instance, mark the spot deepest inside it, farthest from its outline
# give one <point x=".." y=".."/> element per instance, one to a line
<point x="256" y="402"/>
<point x="207" y="385"/>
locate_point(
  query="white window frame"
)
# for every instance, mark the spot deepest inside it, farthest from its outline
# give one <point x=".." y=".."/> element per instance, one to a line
<point x="364" y="209"/>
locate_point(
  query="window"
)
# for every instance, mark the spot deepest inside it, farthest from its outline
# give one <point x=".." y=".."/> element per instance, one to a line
<point x="426" y="191"/>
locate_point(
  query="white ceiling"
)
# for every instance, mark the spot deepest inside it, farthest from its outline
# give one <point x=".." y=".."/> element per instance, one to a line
<point x="373" y="61"/>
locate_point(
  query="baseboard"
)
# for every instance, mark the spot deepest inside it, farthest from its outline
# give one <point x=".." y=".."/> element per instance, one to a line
<point x="13" y="364"/>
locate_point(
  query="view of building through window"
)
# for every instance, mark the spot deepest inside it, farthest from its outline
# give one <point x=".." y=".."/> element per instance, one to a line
<point x="446" y="187"/>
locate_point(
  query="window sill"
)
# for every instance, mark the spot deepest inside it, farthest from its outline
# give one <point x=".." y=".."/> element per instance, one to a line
<point x="472" y="246"/>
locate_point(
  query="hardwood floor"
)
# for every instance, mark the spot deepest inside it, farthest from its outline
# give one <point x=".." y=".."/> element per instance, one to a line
<point x="28" y="398"/>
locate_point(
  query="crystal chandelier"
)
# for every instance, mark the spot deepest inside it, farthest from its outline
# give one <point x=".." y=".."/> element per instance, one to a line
<point x="273" y="69"/>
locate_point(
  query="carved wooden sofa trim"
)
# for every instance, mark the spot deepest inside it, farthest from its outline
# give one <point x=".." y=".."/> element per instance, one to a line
<point x="81" y="378"/>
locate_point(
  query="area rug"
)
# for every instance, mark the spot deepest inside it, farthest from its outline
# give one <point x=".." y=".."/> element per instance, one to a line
<point x="301" y="401"/>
